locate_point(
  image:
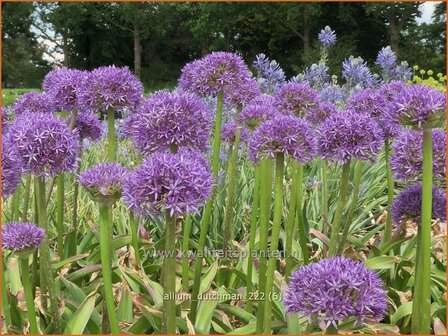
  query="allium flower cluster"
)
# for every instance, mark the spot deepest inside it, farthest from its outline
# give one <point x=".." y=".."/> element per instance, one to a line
<point x="357" y="74"/>
<point x="327" y="37"/>
<point x="228" y="133"/>
<point x="63" y="86"/>
<point x="408" y="204"/>
<point x="285" y="134"/>
<point x="178" y="183"/>
<point x="88" y="126"/>
<point x="391" y="91"/>
<point x="335" y="289"/>
<point x="11" y="167"/>
<point x="269" y="73"/>
<point x="296" y="99"/>
<point x="332" y="93"/>
<point x="44" y="144"/>
<point x="34" y="102"/>
<point x="20" y="236"/>
<point x="168" y="119"/>
<point x="104" y="182"/>
<point x="220" y="71"/>
<point x="110" y="87"/>
<point x="407" y="155"/>
<point x="255" y="114"/>
<point x="320" y="113"/>
<point x="349" y="135"/>
<point x="419" y="105"/>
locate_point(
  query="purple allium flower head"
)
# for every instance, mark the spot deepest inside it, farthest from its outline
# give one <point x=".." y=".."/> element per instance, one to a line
<point x="6" y="119"/>
<point x="104" y="182"/>
<point x="289" y="135"/>
<point x="45" y="144"/>
<point x="19" y="236"/>
<point x="296" y="99"/>
<point x="356" y="73"/>
<point x="220" y="71"/>
<point x="178" y="183"/>
<point x="392" y="90"/>
<point x="335" y="289"/>
<point x="34" y="102"/>
<point x="269" y="73"/>
<point x="348" y="135"/>
<point x="407" y="155"/>
<point x="420" y="104"/>
<point x="371" y="102"/>
<point x="327" y="37"/>
<point x="255" y="114"/>
<point x="408" y="204"/>
<point x="320" y="113"/>
<point x="11" y="167"/>
<point x="110" y="87"/>
<point x="263" y="99"/>
<point x="167" y="119"/>
<point x="88" y="126"/>
<point x="332" y="93"/>
<point x="228" y="133"/>
<point x="386" y="59"/>
<point x="63" y="86"/>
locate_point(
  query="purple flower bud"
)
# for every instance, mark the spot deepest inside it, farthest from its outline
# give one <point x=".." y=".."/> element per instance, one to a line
<point x="296" y="99"/>
<point x="408" y="204"/>
<point x="88" y="126"/>
<point x="318" y="114"/>
<point x="255" y="114"/>
<point x="327" y="37"/>
<point x="11" y="167"/>
<point x="228" y="132"/>
<point x="19" y="236"/>
<point x="34" y="102"/>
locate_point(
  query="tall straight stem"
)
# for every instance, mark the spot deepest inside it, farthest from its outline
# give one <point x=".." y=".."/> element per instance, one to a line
<point x="26" y="198"/>
<point x="5" y="301"/>
<point x="275" y="234"/>
<point x="303" y="240"/>
<point x="208" y="209"/>
<point x="252" y="234"/>
<point x="352" y="210"/>
<point x="169" y="277"/>
<point x="106" y="237"/>
<point x="46" y="271"/>
<point x="390" y="194"/>
<point x="265" y="210"/>
<point x="29" y="298"/>
<point x="76" y="194"/>
<point x="185" y="256"/>
<point x="15" y="206"/>
<point x="133" y="223"/>
<point x="111" y="136"/>
<point x="335" y="228"/>
<point x="60" y="214"/>
<point x="291" y="217"/>
<point x="325" y="190"/>
<point x="422" y="288"/>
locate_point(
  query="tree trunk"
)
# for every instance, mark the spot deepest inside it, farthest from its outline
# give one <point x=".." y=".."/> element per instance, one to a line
<point x="65" y="47"/>
<point x="137" y="50"/>
<point x="306" y="31"/>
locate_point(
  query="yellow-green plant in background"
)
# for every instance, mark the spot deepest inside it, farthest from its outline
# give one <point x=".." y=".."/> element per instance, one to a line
<point x="438" y="81"/>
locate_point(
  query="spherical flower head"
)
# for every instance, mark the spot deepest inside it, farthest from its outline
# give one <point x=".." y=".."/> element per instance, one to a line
<point x="171" y="119"/>
<point x="408" y="204"/>
<point x="63" y="85"/>
<point x="335" y="289"/>
<point x="407" y="155"/>
<point x="22" y="238"/>
<point x="348" y="135"/>
<point x="228" y="133"/>
<point x="386" y="59"/>
<point x="88" y="126"/>
<point x="420" y="105"/>
<point x="255" y="114"/>
<point x="262" y="99"/>
<point x="44" y="144"/>
<point x="104" y="182"/>
<point x="110" y="87"/>
<point x="371" y="102"/>
<point x="320" y="113"/>
<point x="34" y="102"/>
<point x="392" y="90"/>
<point x="296" y="99"/>
<point x="327" y="37"/>
<point x="11" y="167"/>
<point x="288" y="135"/>
<point x="177" y="183"/>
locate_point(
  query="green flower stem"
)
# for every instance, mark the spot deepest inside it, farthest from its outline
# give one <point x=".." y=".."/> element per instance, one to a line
<point x="5" y="301"/>
<point x="351" y="212"/>
<point x="291" y="217"/>
<point x="133" y="223"/>
<point x="325" y="190"/>
<point x="60" y="213"/>
<point x="26" y="198"/>
<point x="231" y="182"/>
<point x="303" y="240"/>
<point x="390" y="194"/>
<point x="46" y="271"/>
<point x="275" y="234"/>
<point x="106" y="237"/>
<point x="15" y="205"/>
<point x="334" y="237"/>
<point x="76" y="194"/>
<point x="252" y="234"/>
<point x="208" y="209"/>
<point x="265" y="210"/>
<point x="29" y="298"/>
<point x="185" y="244"/>
<point x="72" y="124"/>
<point x="169" y="277"/>
<point x="422" y="289"/>
<point x="111" y="136"/>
